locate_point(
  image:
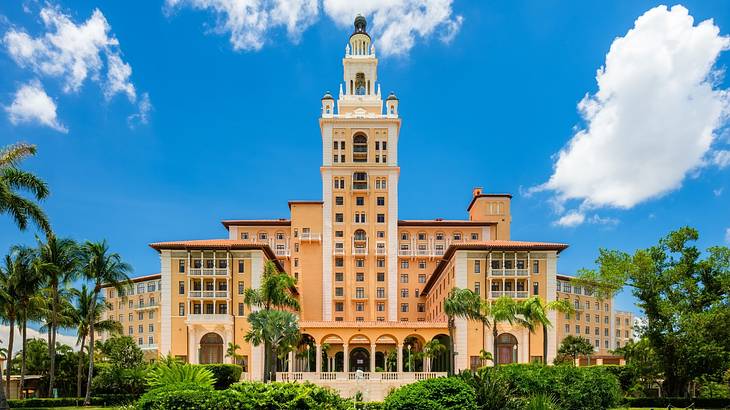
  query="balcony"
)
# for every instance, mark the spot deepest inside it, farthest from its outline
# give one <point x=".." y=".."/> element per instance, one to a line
<point x="358" y="186"/>
<point x="380" y="251"/>
<point x="338" y="251"/>
<point x="405" y="252"/>
<point x="514" y="294"/>
<point x="523" y="273"/>
<point x="209" y="318"/>
<point x="147" y="306"/>
<point x="284" y="253"/>
<point x="309" y="236"/>
<point x="208" y="294"/>
<point x="152" y="346"/>
<point x="356" y="376"/>
<point x="359" y="251"/>
<point x="360" y="295"/>
<point x="208" y="272"/>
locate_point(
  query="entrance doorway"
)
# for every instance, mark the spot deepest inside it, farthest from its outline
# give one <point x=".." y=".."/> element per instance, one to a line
<point x="506" y="349"/>
<point x="211" y="349"/>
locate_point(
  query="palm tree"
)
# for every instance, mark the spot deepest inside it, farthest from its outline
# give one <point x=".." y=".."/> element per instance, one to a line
<point x="431" y="350"/>
<point x="232" y="352"/>
<point x="534" y="312"/>
<point x="14" y="179"/>
<point x="464" y="304"/>
<point x="485" y="356"/>
<point x="101" y="267"/>
<point x="276" y="292"/>
<point x="58" y="261"/>
<point x="81" y="317"/>
<point x="9" y="274"/>
<point x="277" y="329"/>
<point x="28" y="300"/>
<point x="504" y="309"/>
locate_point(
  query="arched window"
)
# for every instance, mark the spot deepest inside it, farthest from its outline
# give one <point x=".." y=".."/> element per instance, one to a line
<point x="360" y="148"/>
<point x="360" y="235"/>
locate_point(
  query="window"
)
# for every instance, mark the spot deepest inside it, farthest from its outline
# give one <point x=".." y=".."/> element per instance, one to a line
<point x="457" y="236"/>
<point x="360" y="201"/>
<point x="380" y="263"/>
<point x="404" y="293"/>
<point x="181" y="266"/>
<point x="140" y="316"/>
<point x="240" y="266"/>
<point x="421" y="307"/>
<point x="381" y="218"/>
<point x="404" y="307"/>
<point x="381" y="201"/>
<point x="339" y="217"/>
<point x="535" y="288"/>
<point x="359" y="263"/>
<point x="339" y="262"/>
<point x="380" y="234"/>
<point x="359" y="307"/>
<point x="240" y="288"/>
<point x="421" y="278"/>
<point x="359" y="217"/>
<point x="131" y="317"/>
<point x="244" y="236"/>
<point x="475" y="237"/>
<point x="577" y="329"/>
<point x="240" y="309"/>
<point x="380" y="293"/>
<point x="338" y="319"/>
<point x="416" y="292"/>
<point x="380" y="307"/>
<point x="339" y="276"/>
<point x="263" y="236"/>
<point x="339" y="200"/>
<point x="381" y="276"/>
<point x="360" y="148"/>
<point x="339" y="234"/>
<point x="181" y="309"/>
<point x="359" y="277"/>
<point x="605" y="343"/>
<point x="404" y="236"/>
<point x="421" y="236"/>
<point x="477" y="266"/>
<point x="181" y="287"/>
<point x="403" y="278"/>
<point x="478" y="288"/>
<point x="296" y="262"/>
<point x="339" y="307"/>
<point x="151" y="328"/>
<point x="605" y="331"/>
<point x="404" y="264"/>
<point x="339" y="291"/>
<point x="535" y="266"/>
<point x="567" y="328"/>
<point x="140" y="329"/>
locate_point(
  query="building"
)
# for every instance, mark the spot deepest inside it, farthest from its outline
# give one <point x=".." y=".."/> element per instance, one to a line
<point x="369" y="283"/>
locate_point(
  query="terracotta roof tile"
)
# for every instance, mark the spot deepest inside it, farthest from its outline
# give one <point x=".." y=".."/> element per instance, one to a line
<point x="442" y="222"/>
<point x="218" y="244"/>
<point x="373" y="324"/>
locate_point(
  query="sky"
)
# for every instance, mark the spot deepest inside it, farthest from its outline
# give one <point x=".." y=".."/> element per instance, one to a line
<point x="155" y="120"/>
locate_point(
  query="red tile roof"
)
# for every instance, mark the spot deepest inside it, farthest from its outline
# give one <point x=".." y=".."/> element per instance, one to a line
<point x="474" y="199"/>
<point x="218" y="244"/>
<point x="256" y="222"/>
<point x="442" y="222"/>
<point x="372" y="324"/>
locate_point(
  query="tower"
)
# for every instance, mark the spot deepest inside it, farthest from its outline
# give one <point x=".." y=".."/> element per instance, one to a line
<point x="360" y="191"/>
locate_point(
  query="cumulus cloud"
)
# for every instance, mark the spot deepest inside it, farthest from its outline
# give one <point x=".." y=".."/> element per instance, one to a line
<point x="578" y="217"/>
<point x="396" y="24"/>
<point x="143" y="111"/>
<point x="32" y="105"/>
<point x="653" y="120"/>
<point x="73" y="53"/>
<point x="249" y="21"/>
<point x="32" y="334"/>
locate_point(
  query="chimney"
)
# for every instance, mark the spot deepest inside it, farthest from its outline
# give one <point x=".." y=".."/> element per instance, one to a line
<point x="476" y="191"/>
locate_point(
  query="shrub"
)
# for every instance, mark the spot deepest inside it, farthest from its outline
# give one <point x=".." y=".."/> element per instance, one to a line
<point x="110" y="379"/>
<point x="572" y="387"/>
<point x="492" y="393"/>
<point x="165" y="373"/>
<point x="224" y="374"/>
<point x="103" y="400"/>
<point x="288" y="396"/>
<point x="177" y="396"/>
<point x="438" y="393"/>
<point x="659" y="402"/>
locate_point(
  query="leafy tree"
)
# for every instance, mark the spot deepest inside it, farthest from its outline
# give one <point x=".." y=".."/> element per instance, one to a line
<point x="431" y="350"/>
<point x="504" y="309"/>
<point x="9" y="276"/>
<point x="642" y="363"/>
<point x="101" y="267"/>
<point x="534" y="313"/>
<point x="14" y="179"/>
<point x="574" y="346"/>
<point x="684" y="297"/>
<point x="276" y="292"/>
<point x="232" y="352"/>
<point x="462" y="304"/>
<point x="492" y="393"/>
<point x="121" y="351"/>
<point x="276" y="330"/>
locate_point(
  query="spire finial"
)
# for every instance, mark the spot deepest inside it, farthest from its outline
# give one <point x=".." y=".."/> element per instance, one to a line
<point x="360" y="24"/>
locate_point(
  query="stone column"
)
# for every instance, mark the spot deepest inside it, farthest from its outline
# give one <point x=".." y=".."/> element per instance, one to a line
<point x="291" y="361"/>
<point x="400" y="358"/>
<point x="192" y="346"/>
<point x="318" y="359"/>
<point x="345" y="358"/>
<point x="372" y="357"/>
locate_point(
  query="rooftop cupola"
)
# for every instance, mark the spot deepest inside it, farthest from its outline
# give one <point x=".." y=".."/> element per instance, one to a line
<point x="360" y="43"/>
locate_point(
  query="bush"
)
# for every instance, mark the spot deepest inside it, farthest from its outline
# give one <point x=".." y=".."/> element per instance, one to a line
<point x="177" y="396"/>
<point x="110" y="379"/>
<point x="659" y="402"/>
<point x="256" y="395"/>
<point x="572" y="387"/>
<point x="492" y="393"/>
<point x="102" y="400"/>
<point x="165" y="373"/>
<point x="224" y="374"/>
<point x="431" y="394"/>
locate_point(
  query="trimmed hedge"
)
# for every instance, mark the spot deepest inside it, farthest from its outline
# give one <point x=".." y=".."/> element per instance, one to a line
<point x="244" y="396"/>
<point x="664" y="402"/>
<point x="225" y="374"/>
<point x="574" y="388"/>
<point x="370" y="405"/>
<point x="103" y="400"/>
<point x="439" y="393"/>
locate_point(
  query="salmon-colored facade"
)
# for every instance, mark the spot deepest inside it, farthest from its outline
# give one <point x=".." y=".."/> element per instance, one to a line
<point x="369" y="283"/>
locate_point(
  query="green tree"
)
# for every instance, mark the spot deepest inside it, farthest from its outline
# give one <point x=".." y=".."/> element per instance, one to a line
<point x="277" y="330"/>
<point x="534" y="313"/>
<point x="684" y="293"/>
<point x="232" y="352"/>
<point x="504" y="309"/>
<point x="14" y="179"/>
<point x="575" y="346"/>
<point x="431" y="350"/>
<point x="642" y="362"/>
<point x="101" y="267"/>
<point x="81" y="317"/>
<point x="462" y="304"/>
<point x="10" y="273"/>
<point x="276" y="292"/>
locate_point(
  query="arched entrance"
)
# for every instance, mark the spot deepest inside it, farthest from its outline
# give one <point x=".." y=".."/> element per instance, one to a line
<point x="506" y="349"/>
<point x="442" y="361"/>
<point x="359" y="359"/>
<point x="211" y="349"/>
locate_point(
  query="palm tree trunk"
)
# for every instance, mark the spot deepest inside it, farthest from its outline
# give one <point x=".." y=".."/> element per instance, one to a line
<point x="87" y="398"/>
<point x="452" y="356"/>
<point x="3" y="399"/>
<point x="495" y="356"/>
<point x="11" y="338"/>
<point x="52" y="344"/>
<point x="544" y="344"/>
<point x="79" y="370"/>
<point x="21" y="385"/>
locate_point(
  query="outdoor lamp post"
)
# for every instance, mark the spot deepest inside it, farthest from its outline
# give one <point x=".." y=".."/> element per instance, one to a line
<point x="409" y="359"/>
<point x="308" y="358"/>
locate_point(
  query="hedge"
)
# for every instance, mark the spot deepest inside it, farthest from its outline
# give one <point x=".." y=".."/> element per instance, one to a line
<point x="102" y="400"/>
<point x="664" y="402"/>
<point x="225" y="374"/>
<point x="438" y="393"/>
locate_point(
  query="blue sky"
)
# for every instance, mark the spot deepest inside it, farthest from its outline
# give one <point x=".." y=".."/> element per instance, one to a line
<point x="489" y="96"/>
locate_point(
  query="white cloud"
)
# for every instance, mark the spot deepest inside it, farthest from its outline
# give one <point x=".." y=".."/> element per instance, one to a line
<point x="653" y="119"/>
<point x="397" y="23"/>
<point x="32" y="105"/>
<point x="249" y="21"/>
<point x="31" y="334"/>
<point x="142" y="115"/>
<point x="721" y="158"/>
<point x="718" y="191"/>
<point x="572" y="218"/>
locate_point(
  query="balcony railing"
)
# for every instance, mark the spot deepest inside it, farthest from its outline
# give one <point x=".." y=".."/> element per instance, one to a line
<point x="152" y="305"/>
<point x="309" y="236"/>
<point x="208" y="272"/>
<point x="380" y="251"/>
<point x="514" y="294"/>
<point x="209" y="294"/>
<point x="149" y="346"/>
<point x="509" y="272"/>
<point x="405" y="252"/>
<point x="359" y="251"/>
<point x="360" y="295"/>
<point x="339" y="251"/>
<point x="282" y="252"/>
<point x="216" y="318"/>
<point x="354" y="376"/>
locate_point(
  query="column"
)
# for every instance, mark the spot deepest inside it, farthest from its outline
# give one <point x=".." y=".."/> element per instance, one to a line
<point x="318" y="359"/>
<point x="345" y="358"/>
<point x="400" y="358"/>
<point x="372" y="357"/>
<point x="192" y="346"/>
<point x="291" y="361"/>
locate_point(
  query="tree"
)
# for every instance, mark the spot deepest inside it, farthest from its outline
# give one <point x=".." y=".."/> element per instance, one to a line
<point x="504" y="309"/>
<point x="14" y="179"/>
<point x="58" y="261"/>
<point x="431" y="350"/>
<point x="232" y="352"/>
<point x="276" y="292"/>
<point x="102" y="268"/>
<point x="684" y="297"/>
<point x="575" y="346"/>
<point x="276" y="330"/>
<point x="534" y="313"/>
<point x="81" y="317"/>
<point x="642" y="362"/>
<point x="462" y="304"/>
<point x="9" y="277"/>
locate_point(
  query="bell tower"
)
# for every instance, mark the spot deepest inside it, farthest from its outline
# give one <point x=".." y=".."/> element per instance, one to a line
<point x="359" y="191"/>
